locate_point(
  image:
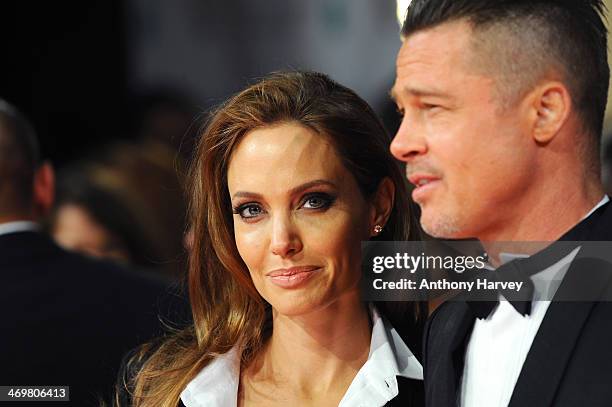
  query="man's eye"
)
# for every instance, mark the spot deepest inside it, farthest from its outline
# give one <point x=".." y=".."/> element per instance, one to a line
<point x="248" y="211"/>
<point x="430" y="107"/>
<point x="317" y="201"/>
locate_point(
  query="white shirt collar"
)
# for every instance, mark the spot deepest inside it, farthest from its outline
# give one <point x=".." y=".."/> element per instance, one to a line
<point x="376" y="381"/>
<point x="18" y="226"/>
<point x="217" y="384"/>
<point x="374" y="385"/>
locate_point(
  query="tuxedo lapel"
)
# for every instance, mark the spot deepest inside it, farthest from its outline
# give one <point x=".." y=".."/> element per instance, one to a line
<point x="552" y="346"/>
<point x="450" y="325"/>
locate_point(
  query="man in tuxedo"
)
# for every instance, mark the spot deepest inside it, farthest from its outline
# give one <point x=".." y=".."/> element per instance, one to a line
<point x="67" y="319"/>
<point x="503" y="104"/>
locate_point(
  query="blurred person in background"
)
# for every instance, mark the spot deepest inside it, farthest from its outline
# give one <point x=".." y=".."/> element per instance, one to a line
<point x="126" y="205"/>
<point x="92" y="219"/>
<point x="67" y="319"/>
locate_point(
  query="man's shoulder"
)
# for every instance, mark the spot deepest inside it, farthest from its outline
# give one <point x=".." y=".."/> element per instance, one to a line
<point x="47" y="274"/>
<point x="35" y="255"/>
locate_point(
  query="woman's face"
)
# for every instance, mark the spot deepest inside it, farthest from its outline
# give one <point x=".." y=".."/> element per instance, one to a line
<point x="299" y="218"/>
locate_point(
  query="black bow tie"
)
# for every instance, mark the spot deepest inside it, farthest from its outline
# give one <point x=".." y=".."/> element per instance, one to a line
<point x="520" y="300"/>
<point x="518" y="270"/>
<point x="521" y="269"/>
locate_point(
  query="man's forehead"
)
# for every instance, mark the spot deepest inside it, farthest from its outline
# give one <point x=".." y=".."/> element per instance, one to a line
<point x="430" y="56"/>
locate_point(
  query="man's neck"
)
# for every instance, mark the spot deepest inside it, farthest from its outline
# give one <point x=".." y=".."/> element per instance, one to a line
<point x="546" y="218"/>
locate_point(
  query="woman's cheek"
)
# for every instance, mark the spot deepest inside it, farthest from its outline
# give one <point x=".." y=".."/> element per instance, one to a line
<point x="250" y="244"/>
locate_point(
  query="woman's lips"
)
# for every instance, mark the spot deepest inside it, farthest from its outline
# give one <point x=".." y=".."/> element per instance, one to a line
<point x="292" y="277"/>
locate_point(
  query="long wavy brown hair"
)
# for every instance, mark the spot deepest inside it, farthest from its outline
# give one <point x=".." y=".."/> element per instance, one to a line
<point x="226" y="307"/>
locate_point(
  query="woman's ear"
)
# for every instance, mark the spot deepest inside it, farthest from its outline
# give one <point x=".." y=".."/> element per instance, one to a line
<point x="381" y="206"/>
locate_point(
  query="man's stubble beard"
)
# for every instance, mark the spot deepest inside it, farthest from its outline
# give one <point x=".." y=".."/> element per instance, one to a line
<point x="441" y="225"/>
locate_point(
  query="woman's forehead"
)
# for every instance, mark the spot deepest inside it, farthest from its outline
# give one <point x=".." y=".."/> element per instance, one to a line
<point x="287" y="154"/>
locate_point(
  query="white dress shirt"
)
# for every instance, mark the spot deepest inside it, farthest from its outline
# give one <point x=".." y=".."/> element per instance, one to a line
<point x="500" y="343"/>
<point x="18" y="226"/>
<point x="374" y="385"/>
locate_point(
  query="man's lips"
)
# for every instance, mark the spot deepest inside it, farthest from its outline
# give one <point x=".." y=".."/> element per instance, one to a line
<point x="420" y="179"/>
<point x="423" y="183"/>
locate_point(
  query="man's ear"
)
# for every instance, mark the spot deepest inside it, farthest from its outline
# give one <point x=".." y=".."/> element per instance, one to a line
<point x="382" y="204"/>
<point x="550" y="105"/>
<point x="44" y="189"/>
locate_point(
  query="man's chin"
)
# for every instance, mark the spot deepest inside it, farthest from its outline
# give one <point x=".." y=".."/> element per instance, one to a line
<point x="439" y="226"/>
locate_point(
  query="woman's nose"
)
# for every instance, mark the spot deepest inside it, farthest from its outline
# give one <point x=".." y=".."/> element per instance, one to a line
<point x="285" y="240"/>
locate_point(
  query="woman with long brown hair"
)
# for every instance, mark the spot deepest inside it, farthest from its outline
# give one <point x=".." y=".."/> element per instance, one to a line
<point x="289" y="177"/>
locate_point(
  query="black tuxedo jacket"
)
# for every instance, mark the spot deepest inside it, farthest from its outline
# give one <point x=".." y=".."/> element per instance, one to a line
<point x="68" y="320"/>
<point x="570" y="360"/>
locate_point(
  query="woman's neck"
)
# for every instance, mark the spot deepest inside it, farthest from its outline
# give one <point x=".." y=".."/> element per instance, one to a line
<point x="317" y="353"/>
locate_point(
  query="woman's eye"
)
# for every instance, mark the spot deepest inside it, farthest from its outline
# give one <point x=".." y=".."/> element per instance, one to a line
<point x="248" y="211"/>
<point x="318" y="201"/>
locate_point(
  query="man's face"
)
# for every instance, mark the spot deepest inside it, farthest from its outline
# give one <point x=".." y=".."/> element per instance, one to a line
<point x="468" y="157"/>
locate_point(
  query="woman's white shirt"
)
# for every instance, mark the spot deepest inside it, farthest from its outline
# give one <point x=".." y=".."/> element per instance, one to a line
<point x="374" y="385"/>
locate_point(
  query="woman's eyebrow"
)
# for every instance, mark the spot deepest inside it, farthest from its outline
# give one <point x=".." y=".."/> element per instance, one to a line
<point x="310" y="184"/>
<point x="292" y="191"/>
<point x="246" y="194"/>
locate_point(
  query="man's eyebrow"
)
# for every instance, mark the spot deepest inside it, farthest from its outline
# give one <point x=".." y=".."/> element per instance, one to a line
<point x="393" y="93"/>
<point x="293" y="191"/>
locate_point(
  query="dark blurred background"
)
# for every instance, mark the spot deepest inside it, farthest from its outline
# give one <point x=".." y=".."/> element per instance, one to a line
<point x="88" y="73"/>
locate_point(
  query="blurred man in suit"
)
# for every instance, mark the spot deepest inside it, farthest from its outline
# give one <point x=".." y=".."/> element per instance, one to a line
<point x="67" y="319"/>
<point x="503" y="104"/>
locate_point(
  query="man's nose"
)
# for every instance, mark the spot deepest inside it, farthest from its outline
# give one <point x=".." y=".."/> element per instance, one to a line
<point x="408" y="142"/>
<point x="285" y="240"/>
